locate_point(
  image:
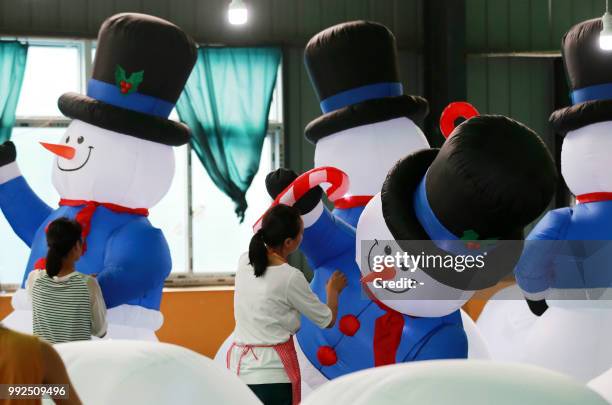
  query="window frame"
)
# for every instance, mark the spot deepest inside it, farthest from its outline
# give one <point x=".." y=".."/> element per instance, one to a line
<point x="275" y="133"/>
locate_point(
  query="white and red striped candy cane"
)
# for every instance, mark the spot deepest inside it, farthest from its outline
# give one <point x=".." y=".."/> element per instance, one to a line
<point x="307" y="181"/>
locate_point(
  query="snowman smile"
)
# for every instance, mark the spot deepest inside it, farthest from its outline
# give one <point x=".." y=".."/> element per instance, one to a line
<point x="386" y="275"/>
<point x="81" y="166"/>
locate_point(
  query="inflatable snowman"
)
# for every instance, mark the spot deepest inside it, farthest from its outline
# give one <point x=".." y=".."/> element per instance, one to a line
<point x="461" y="201"/>
<point x="368" y="124"/>
<point x="112" y="165"/>
<point x="566" y="263"/>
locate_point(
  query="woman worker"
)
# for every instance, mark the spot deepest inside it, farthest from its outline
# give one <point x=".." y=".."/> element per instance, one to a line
<point x="270" y="295"/>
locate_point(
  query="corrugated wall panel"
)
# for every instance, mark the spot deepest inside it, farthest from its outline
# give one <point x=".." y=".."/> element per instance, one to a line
<point x="520" y="88"/>
<point x="290" y="22"/>
<point x="524" y="25"/>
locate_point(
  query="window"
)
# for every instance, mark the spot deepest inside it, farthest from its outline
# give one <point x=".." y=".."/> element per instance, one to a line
<point x="198" y="220"/>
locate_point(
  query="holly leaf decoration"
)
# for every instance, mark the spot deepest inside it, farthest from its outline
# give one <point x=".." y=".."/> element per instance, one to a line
<point x="470" y="235"/>
<point x="119" y="75"/>
<point x="135" y="79"/>
<point x="128" y="84"/>
<point x="473" y="240"/>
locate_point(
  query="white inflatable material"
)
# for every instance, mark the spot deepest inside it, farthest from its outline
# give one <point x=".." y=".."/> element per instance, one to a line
<point x="127" y="163"/>
<point x="124" y="322"/>
<point x="571" y="337"/>
<point x="478" y="348"/>
<point x="386" y="141"/>
<point x="571" y="340"/>
<point x="585" y="159"/>
<point x="603" y="385"/>
<point x="312" y="378"/>
<point x="148" y="373"/>
<point x="504" y="322"/>
<point x="454" y="382"/>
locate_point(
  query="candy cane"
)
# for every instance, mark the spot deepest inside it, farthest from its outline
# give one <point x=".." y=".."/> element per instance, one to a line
<point x="452" y="112"/>
<point x="304" y="183"/>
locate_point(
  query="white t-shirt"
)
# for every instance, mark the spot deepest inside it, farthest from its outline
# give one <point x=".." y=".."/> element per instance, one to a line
<point x="267" y="311"/>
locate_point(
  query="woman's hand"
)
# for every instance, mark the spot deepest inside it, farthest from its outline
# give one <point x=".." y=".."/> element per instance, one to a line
<point x="336" y="282"/>
<point x="335" y="285"/>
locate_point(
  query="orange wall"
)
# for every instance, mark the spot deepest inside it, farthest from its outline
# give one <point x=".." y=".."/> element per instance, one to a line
<point x="5" y="305"/>
<point x="202" y="318"/>
<point x="197" y="318"/>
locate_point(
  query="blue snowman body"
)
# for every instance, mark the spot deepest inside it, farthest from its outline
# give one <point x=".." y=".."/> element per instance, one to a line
<point x="130" y="257"/>
<point x="549" y="262"/>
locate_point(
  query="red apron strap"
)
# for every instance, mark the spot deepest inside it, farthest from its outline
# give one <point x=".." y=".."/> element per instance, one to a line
<point x="245" y="350"/>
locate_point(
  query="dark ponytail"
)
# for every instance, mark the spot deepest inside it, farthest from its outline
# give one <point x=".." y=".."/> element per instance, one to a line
<point x="280" y="223"/>
<point x="62" y="235"/>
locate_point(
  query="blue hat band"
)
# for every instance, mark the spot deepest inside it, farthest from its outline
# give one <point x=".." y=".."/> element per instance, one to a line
<point x="360" y="94"/>
<point x="439" y="235"/>
<point x="591" y="93"/>
<point x="428" y="220"/>
<point x="110" y="94"/>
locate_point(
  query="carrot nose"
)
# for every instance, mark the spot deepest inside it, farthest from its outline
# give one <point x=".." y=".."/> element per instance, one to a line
<point x="67" y="152"/>
<point x="388" y="273"/>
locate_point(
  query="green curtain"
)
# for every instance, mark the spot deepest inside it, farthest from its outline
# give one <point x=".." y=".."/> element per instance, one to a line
<point x="226" y="103"/>
<point x="12" y="67"/>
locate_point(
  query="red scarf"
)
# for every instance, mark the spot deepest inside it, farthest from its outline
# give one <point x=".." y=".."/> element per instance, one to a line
<point x="593" y="197"/>
<point x="387" y="332"/>
<point x="86" y="214"/>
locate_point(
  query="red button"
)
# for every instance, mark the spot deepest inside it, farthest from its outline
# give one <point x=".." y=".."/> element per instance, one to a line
<point x="327" y="356"/>
<point x="349" y="325"/>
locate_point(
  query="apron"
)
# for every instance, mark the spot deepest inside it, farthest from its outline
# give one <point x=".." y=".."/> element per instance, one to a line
<point x="288" y="356"/>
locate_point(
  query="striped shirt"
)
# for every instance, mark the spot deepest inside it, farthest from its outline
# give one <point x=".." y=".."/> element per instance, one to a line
<point x="66" y="309"/>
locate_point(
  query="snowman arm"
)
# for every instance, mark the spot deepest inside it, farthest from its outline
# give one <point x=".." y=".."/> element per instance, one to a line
<point x="136" y="264"/>
<point x="326" y="238"/>
<point x="23" y="209"/>
<point x="448" y="342"/>
<point x="534" y="270"/>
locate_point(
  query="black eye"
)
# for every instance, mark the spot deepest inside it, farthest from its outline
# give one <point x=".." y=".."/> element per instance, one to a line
<point x="67" y="139"/>
<point x="387" y="250"/>
<point x="80" y="139"/>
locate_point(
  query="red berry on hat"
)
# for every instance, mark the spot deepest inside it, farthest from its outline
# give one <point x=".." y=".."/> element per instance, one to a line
<point x="473" y="245"/>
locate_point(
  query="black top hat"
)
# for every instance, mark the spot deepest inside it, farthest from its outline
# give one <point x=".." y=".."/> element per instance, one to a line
<point x="589" y="73"/>
<point x="491" y="178"/>
<point x="141" y="66"/>
<point x="353" y="68"/>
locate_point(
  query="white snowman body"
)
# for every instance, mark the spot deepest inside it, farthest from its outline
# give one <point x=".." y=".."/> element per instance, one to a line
<point x="585" y="159"/>
<point x="367" y="152"/>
